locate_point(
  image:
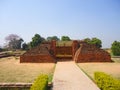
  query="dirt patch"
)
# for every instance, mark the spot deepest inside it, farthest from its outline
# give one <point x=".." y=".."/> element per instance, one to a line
<point x="13" y="71"/>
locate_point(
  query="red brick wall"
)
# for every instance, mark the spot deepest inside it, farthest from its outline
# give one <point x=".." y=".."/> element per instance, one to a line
<point x="37" y="59"/>
<point x="53" y="48"/>
<point x="75" y="46"/>
<point x="63" y="50"/>
<point x="90" y="53"/>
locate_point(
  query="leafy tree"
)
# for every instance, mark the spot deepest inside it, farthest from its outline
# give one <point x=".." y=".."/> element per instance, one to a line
<point x="88" y="40"/>
<point x="14" y="41"/>
<point x="65" y="38"/>
<point x="115" y="48"/>
<point x="36" y="40"/>
<point x="97" y="42"/>
<point x="53" y="38"/>
<point x="1" y="49"/>
<point x="25" y="46"/>
<point x="94" y="41"/>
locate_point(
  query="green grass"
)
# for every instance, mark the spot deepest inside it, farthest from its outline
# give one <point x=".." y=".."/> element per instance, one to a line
<point x="50" y="77"/>
<point x="62" y="43"/>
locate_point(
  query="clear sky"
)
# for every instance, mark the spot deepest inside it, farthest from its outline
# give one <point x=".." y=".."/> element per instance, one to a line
<point x="77" y="19"/>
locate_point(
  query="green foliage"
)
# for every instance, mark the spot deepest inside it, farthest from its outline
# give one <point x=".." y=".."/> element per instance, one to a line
<point x="1" y="49"/>
<point x="50" y="77"/>
<point x="25" y="46"/>
<point x="40" y="83"/>
<point x="88" y="40"/>
<point x="53" y="38"/>
<point x="65" y="38"/>
<point x="94" y="41"/>
<point x="115" y="48"/>
<point x="36" y="40"/>
<point x="106" y="82"/>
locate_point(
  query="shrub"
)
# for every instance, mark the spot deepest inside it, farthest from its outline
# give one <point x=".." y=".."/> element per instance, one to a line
<point x="40" y="83"/>
<point x="95" y="41"/>
<point x="106" y="82"/>
<point x="115" y="48"/>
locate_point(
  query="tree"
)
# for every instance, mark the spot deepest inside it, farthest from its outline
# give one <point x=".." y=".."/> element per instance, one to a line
<point x="36" y="40"/>
<point x="97" y="42"/>
<point x="88" y="40"/>
<point x="1" y="49"/>
<point x="94" y="41"/>
<point x="65" y="38"/>
<point x="53" y="38"/>
<point x="115" y="48"/>
<point x="14" y="41"/>
<point x="25" y="46"/>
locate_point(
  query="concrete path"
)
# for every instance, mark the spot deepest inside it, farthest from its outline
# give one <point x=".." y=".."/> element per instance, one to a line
<point x="68" y="76"/>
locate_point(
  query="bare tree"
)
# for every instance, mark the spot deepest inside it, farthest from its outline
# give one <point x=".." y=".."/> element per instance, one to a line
<point x="12" y="37"/>
<point x="14" y="41"/>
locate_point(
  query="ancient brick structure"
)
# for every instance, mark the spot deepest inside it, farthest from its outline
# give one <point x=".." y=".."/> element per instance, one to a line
<point x="75" y="46"/>
<point x="79" y="51"/>
<point x="90" y="53"/>
<point x="63" y="52"/>
<point x="39" y="54"/>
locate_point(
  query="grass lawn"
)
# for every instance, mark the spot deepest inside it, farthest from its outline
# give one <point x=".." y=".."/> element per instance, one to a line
<point x="13" y="71"/>
<point x="112" y="69"/>
<point x="62" y="43"/>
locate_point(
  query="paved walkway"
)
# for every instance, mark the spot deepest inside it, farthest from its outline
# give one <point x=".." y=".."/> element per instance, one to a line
<point x="68" y="76"/>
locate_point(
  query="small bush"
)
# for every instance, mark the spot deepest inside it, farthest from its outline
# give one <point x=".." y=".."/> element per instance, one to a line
<point x="106" y="82"/>
<point x="115" y="48"/>
<point x="40" y="83"/>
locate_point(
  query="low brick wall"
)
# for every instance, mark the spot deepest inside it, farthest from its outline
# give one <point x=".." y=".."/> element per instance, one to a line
<point x="37" y="59"/>
<point x="15" y="86"/>
<point x="19" y="86"/>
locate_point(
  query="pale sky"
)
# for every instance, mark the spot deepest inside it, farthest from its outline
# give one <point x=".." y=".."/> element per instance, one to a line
<point x="77" y="19"/>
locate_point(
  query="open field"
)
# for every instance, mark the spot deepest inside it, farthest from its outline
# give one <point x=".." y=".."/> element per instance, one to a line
<point x="112" y="69"/>
<point x="13" y="71"/>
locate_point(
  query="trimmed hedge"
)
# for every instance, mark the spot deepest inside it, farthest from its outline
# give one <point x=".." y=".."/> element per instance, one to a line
<point x="106" y="82"/>
<point x="40" y="83"/>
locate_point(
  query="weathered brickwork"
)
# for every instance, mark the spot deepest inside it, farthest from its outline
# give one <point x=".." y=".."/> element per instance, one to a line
<point x="64" y="50"/>
<point x="79" y="51"/>
<point x="39" y="54"/>
<point x="37" y="59"/>
<point x="90" y="53"/>
<point x="75" y="46"/>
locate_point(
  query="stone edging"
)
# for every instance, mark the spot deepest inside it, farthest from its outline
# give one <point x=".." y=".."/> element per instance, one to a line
<point x="19" y="85"/>
<point x="27" y="85"/>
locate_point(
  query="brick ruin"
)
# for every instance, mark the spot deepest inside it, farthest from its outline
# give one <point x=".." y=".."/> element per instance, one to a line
<point x="39" y="54"/>
<point x="79" y="51"/>
<point x="90" y="53"/>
